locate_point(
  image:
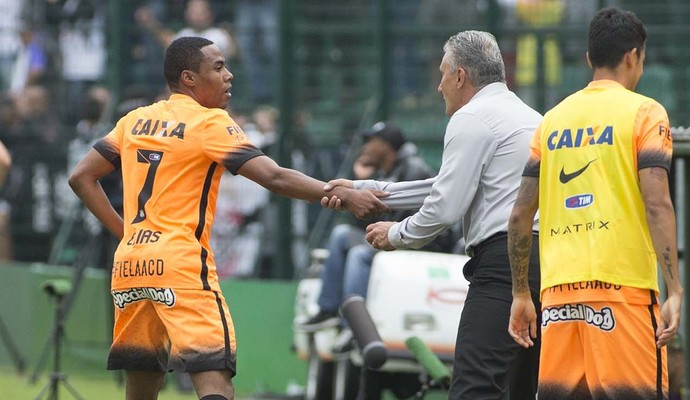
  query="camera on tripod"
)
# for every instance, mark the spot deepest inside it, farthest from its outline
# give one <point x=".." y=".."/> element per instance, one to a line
<point x="57" y="288"/>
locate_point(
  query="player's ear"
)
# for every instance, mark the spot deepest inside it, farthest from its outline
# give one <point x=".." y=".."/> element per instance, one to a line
<point x="461" y="77"/>
<point x="634" y="57"/>
<point x="589" y="62"/>
<point x="187" y="78"/>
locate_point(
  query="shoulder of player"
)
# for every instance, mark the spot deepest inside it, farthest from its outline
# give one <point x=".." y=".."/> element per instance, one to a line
<point x="643" y="105"/>
<point x="651" y="106"/>
<point x="214" y="114"/>
<point x="208" y="116"/>
<point x="217" y="118"/>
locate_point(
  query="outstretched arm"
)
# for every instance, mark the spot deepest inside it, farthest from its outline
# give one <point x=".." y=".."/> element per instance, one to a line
<point x="405" y="195"/>
<point x="662" y="228"/>
<point x="523" y="317"/>
<point x="291" y="183"/>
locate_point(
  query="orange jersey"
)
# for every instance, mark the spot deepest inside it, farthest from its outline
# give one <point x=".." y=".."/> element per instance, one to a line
<point x="172" y="155"/>
<point x="179" y="330"/>
<point x="598" y="341"/>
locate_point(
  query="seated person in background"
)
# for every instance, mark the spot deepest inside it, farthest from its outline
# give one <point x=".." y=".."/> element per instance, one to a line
<point x="346" y="270"/>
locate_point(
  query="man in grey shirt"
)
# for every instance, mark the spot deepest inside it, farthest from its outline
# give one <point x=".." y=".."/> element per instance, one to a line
<point x="485" y="149"/>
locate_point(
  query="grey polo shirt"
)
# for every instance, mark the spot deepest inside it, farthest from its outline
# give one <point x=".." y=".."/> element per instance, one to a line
<point x="485" y="148"/>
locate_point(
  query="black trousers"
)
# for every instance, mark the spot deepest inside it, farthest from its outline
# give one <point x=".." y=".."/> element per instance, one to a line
<point x="488" y="363"/>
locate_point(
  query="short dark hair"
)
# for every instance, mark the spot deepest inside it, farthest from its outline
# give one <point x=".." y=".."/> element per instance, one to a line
<point x="612" y="33"/>
<point x="183" y="53"/>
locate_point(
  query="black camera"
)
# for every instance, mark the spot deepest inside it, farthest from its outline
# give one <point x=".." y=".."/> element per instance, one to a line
<point x="57" y="287"/>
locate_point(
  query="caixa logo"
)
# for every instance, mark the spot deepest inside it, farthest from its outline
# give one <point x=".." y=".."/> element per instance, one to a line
<point x="579" y="201"/>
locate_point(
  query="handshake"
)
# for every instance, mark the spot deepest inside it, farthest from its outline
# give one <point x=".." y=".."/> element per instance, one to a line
<point x="362" y="203"/>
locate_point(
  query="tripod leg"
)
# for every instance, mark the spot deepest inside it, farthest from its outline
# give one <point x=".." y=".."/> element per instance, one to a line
<point x="41" y="393"/>
<point x="71" y="389"/>
<point x="63" y="308"/>
<point x="42" y="359"/>
<point x="11" y="347"/>
<point x="48" y="386"/>
<point x="54" y="387"/>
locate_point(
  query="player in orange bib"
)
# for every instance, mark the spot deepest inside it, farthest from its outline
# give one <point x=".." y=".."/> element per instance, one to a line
<point x="598" y="174"/>
<point x="169" y="311"/>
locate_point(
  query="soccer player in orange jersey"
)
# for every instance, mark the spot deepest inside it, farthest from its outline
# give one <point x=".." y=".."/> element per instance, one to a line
<point x="598" y="174"/>
<point x="169" y="311"/>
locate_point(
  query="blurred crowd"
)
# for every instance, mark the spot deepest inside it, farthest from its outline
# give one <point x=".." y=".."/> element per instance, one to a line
<point x="58" y="96"/>
<point x="66" y="74"/>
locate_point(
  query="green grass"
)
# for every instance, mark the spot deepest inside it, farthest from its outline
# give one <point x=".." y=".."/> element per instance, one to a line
<point x="103" y="386"/>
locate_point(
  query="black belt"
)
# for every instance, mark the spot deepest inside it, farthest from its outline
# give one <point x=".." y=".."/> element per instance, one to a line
<point x="477" y="248"/>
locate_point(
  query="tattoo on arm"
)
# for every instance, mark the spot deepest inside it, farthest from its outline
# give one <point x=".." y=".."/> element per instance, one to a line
<point x="520" y="232"/>
<point x="667" y="262"/>
<point x="519" y="251"/>
<point x="658" y="173"/>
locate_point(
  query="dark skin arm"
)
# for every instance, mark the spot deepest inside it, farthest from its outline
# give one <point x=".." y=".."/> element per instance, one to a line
<point x="294" y="184"/>
<point x="523" y="316"/>
<point x="84" y="182"/>
<point x="263" y="170"/>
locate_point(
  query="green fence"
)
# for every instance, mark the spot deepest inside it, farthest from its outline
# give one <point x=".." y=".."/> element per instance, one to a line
<point x="329" y="67"/>
<point x="262" y="312"/>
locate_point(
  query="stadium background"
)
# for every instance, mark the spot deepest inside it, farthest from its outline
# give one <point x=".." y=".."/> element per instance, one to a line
<point x="326" y="69"/>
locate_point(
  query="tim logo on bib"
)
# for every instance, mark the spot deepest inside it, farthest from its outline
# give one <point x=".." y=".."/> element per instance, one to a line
<point x="603" y="319"/>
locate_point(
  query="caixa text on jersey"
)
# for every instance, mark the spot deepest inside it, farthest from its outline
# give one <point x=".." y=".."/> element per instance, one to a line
<point x="158" y="128"/>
